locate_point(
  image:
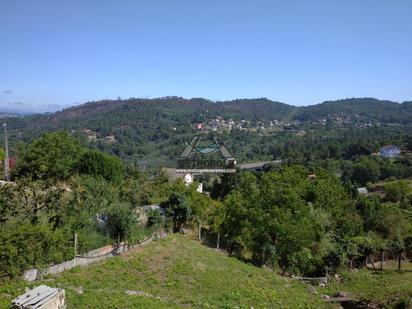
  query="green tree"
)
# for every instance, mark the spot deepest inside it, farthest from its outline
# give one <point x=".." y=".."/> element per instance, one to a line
<point x="397" y="191"/>
<point x="201" y="206"/>
<point x="216" y="219"/>
<point x="366" y="171"/>
<point x="90" y="196"/>
<point x="395" y="227"/>
<point x="98" y="164"/>
<point x="369" y="208"/>
<point x="32" y="200"/>
<point x="8" y="206"/>
<point x="178" y="209"/>
<point x="52" y="156"/>
<point x="121" y="222"/>
<point x="359" y="248"/>
<point x="227" y="183"/>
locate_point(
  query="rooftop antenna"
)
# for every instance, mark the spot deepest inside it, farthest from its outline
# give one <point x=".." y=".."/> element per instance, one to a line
<point x="6" y="160"/>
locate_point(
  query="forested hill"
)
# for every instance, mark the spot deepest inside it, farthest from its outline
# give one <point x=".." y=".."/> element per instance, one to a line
<point x="256" y="129"/>
<point x="160" y="114"/>
<point x="179" y="109"/>
<point x="367" y="109"/>
<point x="168" y="110"/>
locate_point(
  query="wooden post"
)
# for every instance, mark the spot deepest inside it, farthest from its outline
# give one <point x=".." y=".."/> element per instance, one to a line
<point x="382" y="258"/>
<point x="218" y="241"/>
<point x="75" y="248"/>
<point x="200" y="231"/>
<point x="399" y="261"/>
<point x="118" y="243"/>
<point x="371" y="259"/>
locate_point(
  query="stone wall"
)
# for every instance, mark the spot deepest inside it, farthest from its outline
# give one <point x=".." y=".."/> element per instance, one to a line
<point x="90" y="257"/>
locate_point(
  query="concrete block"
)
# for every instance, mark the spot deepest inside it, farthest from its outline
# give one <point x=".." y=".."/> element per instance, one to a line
<point x="30" y="274"/>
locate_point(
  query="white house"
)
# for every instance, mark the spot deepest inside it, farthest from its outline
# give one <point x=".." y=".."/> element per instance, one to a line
<point x="188" y="179"/>
<point x="389" y="151"/>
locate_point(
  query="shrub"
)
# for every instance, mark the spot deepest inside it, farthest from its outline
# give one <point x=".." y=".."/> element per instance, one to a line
<point x="121" y="222"/>
<point x="154" y="218"/>
<point x="99" y="164"/>
<point x="27" y="246"/>
<point x="89" y="238"/>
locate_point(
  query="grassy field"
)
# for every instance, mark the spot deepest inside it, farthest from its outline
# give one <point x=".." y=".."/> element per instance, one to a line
<point x="178" y="272"/>
<point x="172" y="273"/>
<point x="384" y="287"/>
<point x="387" y="182"/>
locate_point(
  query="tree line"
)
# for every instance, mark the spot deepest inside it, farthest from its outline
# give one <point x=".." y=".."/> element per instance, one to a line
<point x="305" y="218"/>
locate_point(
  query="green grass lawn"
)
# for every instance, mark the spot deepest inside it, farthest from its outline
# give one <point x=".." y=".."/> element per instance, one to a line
<point x="178" y="272"/>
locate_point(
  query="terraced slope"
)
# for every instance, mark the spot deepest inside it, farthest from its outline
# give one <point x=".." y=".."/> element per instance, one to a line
<point x="172" y="273"/>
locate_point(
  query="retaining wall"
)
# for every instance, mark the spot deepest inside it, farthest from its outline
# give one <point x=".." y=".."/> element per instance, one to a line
<point x="90" y="257"/>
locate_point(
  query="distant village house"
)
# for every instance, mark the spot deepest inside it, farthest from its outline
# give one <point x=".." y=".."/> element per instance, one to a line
<point x="389" y="151"/>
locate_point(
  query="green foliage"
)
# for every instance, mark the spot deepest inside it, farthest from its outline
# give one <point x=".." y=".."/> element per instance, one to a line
<point x="98" y="164"/>
<point x="178" y="209"/>
<point x="8" y="207"/>
<point x="359" y="248"/>
<point x="121" y="222"/>
<point x="154" y="218"/>
<point x="144" y="129"/>
<point x="52" y="156"/>
<point x="369" y="209"/>
<point x="305" y="224"/>
<point x="364" y="284"/>
<point x="228" y="182"/>
<point x="137" y="234"/>
<point x="397" y="191"/>
<point x="29" y="199"/>
<point x="366" y="171"/>
<point x="50" y="199"/>
<point x="391" y="169"/>
<point x="138" y="191"/>
<point x="28" y="246"/>
<point x="279" y="217"/>
<point x="285" y="218"/>
<point x="91" y="237"/>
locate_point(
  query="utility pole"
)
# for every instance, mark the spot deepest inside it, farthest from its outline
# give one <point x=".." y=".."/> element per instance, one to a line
<point x="7" y="160"/>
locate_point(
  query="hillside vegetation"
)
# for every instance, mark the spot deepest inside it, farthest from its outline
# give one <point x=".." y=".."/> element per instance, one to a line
<point x="154" y="130"/>
<point x="390" y="289"/>
<point x="178" y="272"/>
<point x="305" y="219"/>
<point x="302" y="220"/>
<point x="175" y="272"/>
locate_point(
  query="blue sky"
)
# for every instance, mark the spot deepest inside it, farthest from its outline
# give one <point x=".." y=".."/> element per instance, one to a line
<point x="60" y="53"/>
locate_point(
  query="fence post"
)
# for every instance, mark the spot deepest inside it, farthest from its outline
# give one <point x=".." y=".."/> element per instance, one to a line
<point x="200" y="231"/>
<point x="75" y="248"/>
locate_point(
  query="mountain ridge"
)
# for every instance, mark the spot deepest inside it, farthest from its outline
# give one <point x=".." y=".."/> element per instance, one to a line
<point x="156" y="129"/>
<point x="257" y="108"/>
<point x="149" y="115"/>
